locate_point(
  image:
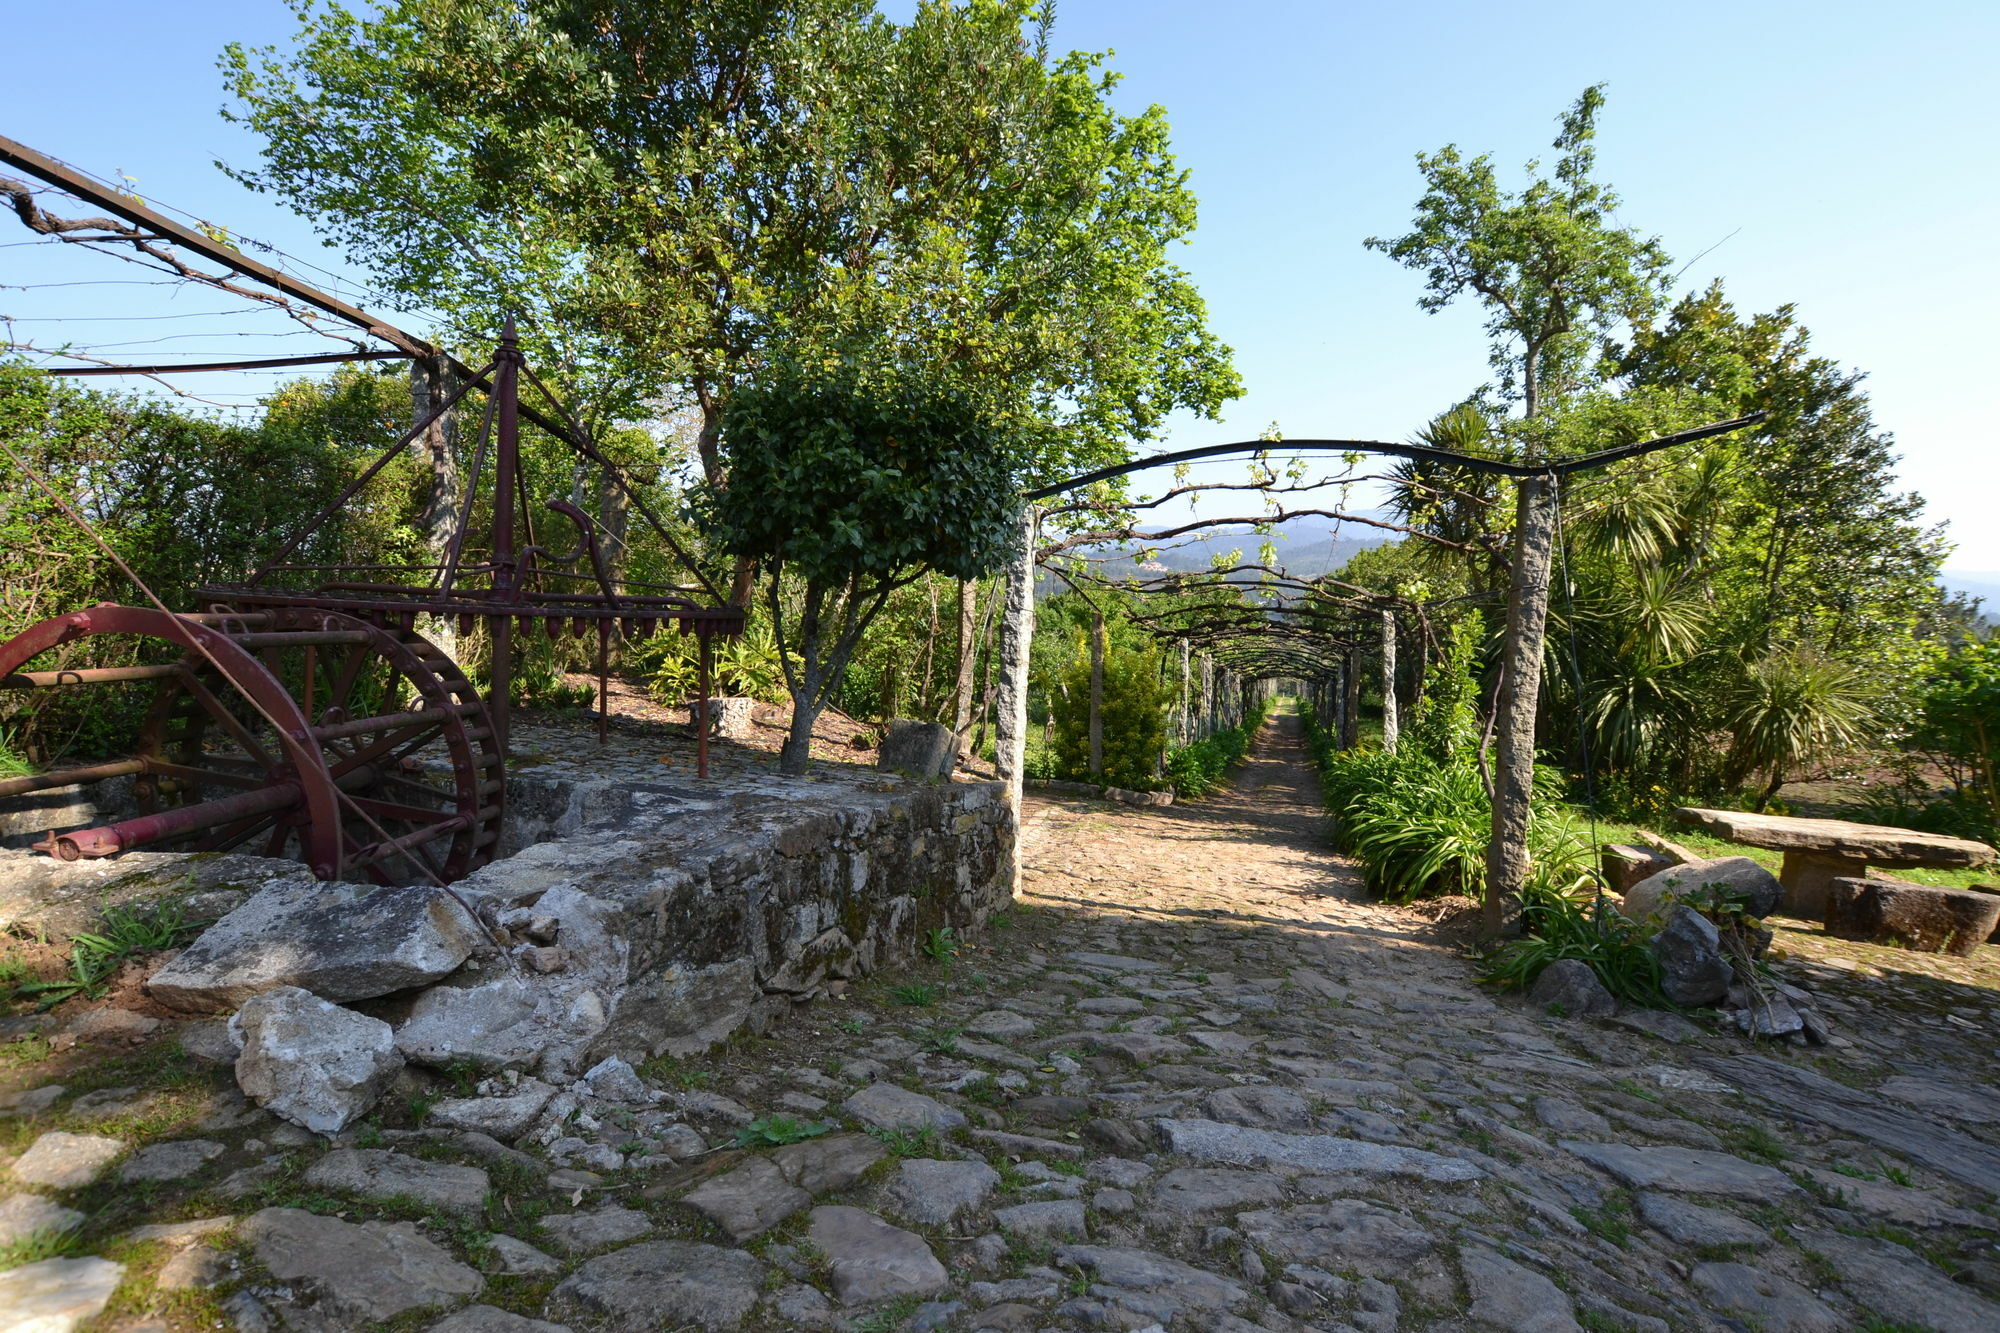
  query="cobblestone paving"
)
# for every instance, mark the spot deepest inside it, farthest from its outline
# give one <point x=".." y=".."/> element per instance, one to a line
<point x="1194" y="1081"/>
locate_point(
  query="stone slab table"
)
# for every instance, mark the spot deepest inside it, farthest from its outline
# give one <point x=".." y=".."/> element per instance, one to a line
<point x="1819" y="851"/>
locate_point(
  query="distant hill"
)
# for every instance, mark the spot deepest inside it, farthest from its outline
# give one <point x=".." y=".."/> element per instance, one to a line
<point x="1307" y="548"/>
<point x="1981" y="583"/>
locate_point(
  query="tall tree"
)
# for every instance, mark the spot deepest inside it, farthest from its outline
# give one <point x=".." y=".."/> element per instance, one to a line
<point x="667" y="189"/>
<point x="1549" y="264"/>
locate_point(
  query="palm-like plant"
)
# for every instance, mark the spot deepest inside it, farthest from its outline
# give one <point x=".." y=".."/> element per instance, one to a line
<point x="1794" y="705"/>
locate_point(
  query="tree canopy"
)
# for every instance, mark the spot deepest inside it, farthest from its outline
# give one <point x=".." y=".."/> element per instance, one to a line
<point x="669" y="189"/>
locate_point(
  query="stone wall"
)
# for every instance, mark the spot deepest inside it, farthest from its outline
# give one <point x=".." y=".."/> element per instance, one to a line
<point x="635" y="919"/>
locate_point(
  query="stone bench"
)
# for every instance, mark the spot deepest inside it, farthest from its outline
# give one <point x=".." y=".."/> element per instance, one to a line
<point x="1911" y="916"/>
<point x="1819" y="851"/>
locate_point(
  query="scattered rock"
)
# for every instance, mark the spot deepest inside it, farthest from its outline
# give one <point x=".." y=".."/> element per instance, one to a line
<point x="25" y="1215"/>
<point x="55" y="1295"/>
<point x="574" y="1233"/>
<point x="886" y="1106"/>
<point x="32" y="1101"/>
<point x="1685" y="1170"/>
<point x="933" y="1193"/>
<point x="870" y="1261"/>
<point x="749" y="1200"/>
<point x="504" y="1116"/>
<point x="1209" y="1141"/>
<point x="1178" y="1285"/>
<point x="517" y="1258"/>
<point x="334" y="946"/>
<point x="1771" y="1302"/>
<point x="1002" y="1025"/>
<point x="1569" y="983"/>
<point x="1896" y="1284"/>
<point x="1689" y="950"/>
<point x="1510" y="1297"/>
<point x="365" y="1271"/>
<point x="376" y="1173"/>
<point x="492" y="1319"/>
<point x="170" y="1161"/>
<point x="211" y="1042"/>
<point x="313" y="1063"/>
<point x="1692" y="1224"/>
<point x="1344" y="1233"/>
<point x="1056" y="1219"/>
<point x="614" y="1080"/>
<point x="66" y="1161"/>
<point x="1259" y="1106"/>
<point x="665" y="1283"/>
<point x="1729" y="879"/>
<point x="1200" y="1191"/>
<point x="821" y="1166"/>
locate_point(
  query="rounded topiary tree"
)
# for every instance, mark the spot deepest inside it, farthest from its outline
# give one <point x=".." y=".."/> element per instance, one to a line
<point x="848" y="480"/>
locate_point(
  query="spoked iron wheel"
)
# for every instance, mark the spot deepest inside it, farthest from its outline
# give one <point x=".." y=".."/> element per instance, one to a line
<point x="361" y="750"/>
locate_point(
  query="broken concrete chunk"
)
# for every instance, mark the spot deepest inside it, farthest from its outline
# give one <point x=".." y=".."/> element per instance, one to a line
<point x="338" y="948"/>
<point x="312" y="1063"/>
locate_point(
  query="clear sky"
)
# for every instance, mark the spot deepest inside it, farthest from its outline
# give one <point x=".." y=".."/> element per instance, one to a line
<point x="1835" y="155"/>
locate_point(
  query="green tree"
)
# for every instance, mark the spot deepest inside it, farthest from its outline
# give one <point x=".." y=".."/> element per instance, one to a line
<point x="1134" y="717"/>
<point x="855" y="477"/>
<point x="1549" y="264"/>
<point x="1962" y="718"/>
<point x="669" y="190"/>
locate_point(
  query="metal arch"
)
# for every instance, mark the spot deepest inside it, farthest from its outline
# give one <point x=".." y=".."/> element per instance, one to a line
<point x="1417" y="452"/>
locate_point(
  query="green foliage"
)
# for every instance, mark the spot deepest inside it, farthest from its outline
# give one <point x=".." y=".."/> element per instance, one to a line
<point x="96" y="956"/>
<point x="676" y="193"/>
<point x="1133" y="718"/>
<point x="1420" y="828"/>
<point x="1446" y="724"/>
<point x="856" y="479"/>
<point x="1585" y="926"/>
<point x="941" y="945"/>
<point x="166" y="490"/>
<point x="1549" y="263"/>
<point x="917" y="994"/>
<point x="1794" y="706"/>
<point x="747" y="665"/>
<point x="775" y="1131"/>
<point x="1961" y="726"/>
<point x="1196" y="769"/>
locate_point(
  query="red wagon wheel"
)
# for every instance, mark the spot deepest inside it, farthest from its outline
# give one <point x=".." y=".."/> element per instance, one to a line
<point x="358" y="749"/>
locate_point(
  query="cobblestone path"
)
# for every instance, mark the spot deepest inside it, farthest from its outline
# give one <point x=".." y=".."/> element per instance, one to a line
<point x="1193" y="1082"/>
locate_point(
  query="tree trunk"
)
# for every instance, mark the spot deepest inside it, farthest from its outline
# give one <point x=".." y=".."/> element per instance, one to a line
<point x="1017" y="637"/>
<point x="1514" y="709"/>
<point x="1390" y="725"/>
<point x="968" y="650"/>
<point x="1350" y="700"/>
<point x="1097" y="694"/>
<point x="443" y="504"/>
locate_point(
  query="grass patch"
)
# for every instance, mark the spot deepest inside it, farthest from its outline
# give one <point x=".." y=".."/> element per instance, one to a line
<point x="916" y="994"/>
<point x="775" y="1131"/>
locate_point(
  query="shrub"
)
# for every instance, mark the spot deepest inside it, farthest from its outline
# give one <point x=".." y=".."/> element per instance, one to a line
<point x="1134" y="719"/>
<point x="1198" y="768"/>
<point x="1584" y="926"/>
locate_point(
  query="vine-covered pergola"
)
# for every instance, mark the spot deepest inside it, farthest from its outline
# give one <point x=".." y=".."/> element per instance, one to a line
<point x="1315" y="630"/>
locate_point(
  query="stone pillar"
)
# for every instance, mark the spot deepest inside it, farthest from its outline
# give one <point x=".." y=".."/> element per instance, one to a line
<point x="1187" y="698"/>
<point x="1017" y="634"/>
<point x="1389" y="721"/>
<point x="1350" y="700"/>
<point x="1207" y="696"/>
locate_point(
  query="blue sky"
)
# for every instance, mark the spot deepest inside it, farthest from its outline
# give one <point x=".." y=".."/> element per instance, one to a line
<point x="1837" y="156"/>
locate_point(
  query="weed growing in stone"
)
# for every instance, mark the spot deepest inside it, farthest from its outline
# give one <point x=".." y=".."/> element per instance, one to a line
<point x="942" y="1041"/>
<point x="916" y="994"/>
<point x="775" y="1131"/>
<point x="941" y="945"/>
<point x="907" y="1142"/>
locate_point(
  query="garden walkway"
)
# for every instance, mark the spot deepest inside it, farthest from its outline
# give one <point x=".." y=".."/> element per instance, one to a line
<point x="1194" y="1081"/>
